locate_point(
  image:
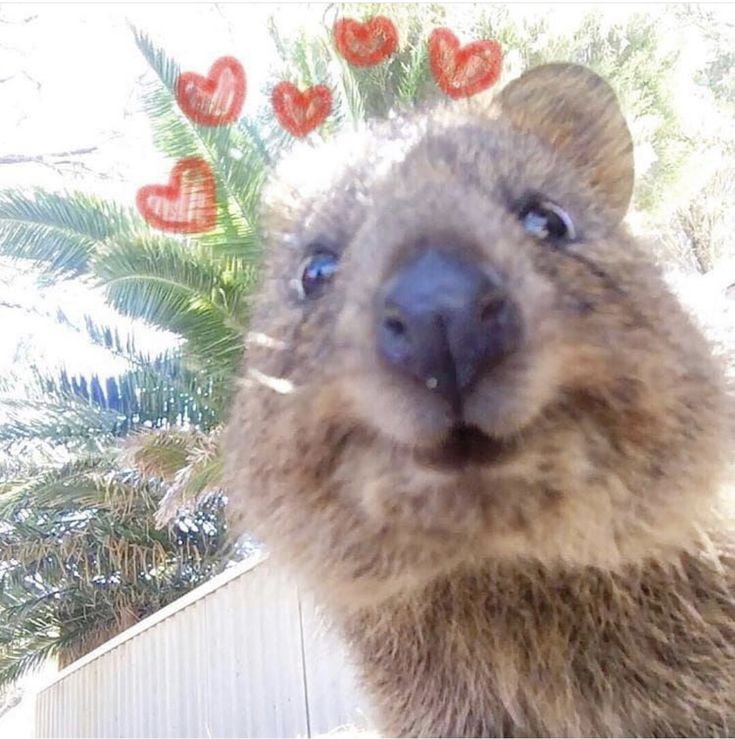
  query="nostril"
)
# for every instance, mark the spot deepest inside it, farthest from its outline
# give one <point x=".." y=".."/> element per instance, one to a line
<point x="394" y="326"/>
<point x="395" y="337"/>
<point x="491" y="307"/>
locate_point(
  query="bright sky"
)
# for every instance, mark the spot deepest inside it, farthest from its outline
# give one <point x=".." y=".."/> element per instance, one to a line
<point x="74" y="81"/>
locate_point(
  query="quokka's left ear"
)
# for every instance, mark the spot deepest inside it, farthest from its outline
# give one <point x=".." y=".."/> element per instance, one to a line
<point x="574" y="110"/>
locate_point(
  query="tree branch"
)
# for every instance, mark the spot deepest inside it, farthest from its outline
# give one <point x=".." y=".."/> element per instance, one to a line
<point x="45" y="158"/>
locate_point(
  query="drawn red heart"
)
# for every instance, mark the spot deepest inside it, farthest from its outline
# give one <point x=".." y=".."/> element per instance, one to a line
<point x="187" y="204"/>
<point x="461" y="72"/>
<point x="368" y="43"/>
<point x="214" y="100"/>
<point x="300" y="112"/>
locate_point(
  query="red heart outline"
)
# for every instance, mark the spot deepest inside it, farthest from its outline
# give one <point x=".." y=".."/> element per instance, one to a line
<point x="463" y="71"/>
<point x="365" y="44"/>
<point x="214" y="100"/>
<point x="301" y="112"/>
<point x="187" y="204"/>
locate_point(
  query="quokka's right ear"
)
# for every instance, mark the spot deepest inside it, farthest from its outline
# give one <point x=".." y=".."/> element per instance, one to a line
<point x="575" y="111"/>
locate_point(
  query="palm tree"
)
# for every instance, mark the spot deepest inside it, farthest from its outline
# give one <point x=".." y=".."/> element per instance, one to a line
<point x="80" y="554"/>
<point x="82" y="559"/>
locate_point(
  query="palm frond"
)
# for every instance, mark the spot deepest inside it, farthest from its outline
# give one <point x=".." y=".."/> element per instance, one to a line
<point x="69" y="419"/>
<point x="190" y="462"/>
<point x="122" y="345"/>
<point x="179" y="288"/>
<point x="238" y="159"/>
<point x="75" y="484"/>
<point x="159" y="454"/>
<point x="82" y="560"/>
<point x="58" y="232"/>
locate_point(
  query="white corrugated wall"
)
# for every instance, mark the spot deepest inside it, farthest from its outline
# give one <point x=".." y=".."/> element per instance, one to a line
<point x="241" y="656"/>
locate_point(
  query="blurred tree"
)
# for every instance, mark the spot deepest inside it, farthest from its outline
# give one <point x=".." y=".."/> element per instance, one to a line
<point x="81" y="559"/>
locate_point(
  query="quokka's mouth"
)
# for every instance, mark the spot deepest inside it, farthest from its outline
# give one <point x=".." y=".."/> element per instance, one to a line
<point x="465" y="446"/>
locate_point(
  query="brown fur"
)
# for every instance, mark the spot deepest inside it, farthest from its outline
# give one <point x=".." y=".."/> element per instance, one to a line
<point x="575" y="578"/>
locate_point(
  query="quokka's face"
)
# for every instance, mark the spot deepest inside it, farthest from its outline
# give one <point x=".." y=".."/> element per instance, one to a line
<point x="459" y="352"/>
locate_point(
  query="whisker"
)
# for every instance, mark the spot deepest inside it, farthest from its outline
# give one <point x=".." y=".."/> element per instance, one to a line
<point x="259" y="339"/>
<point x="278" y="384"/>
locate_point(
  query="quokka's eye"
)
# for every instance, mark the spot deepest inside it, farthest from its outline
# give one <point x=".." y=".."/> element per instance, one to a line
<point x="546" y="221"/>
<point x="316" y="272"/>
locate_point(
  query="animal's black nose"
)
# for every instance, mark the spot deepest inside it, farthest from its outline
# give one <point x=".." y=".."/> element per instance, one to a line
<point x="443" y="321"/>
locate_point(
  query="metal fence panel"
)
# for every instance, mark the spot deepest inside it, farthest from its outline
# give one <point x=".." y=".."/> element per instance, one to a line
<point x="242" y="656"/>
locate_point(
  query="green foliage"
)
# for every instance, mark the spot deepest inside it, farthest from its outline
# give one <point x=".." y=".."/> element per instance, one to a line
<point x="81" y="559"/>
<point x="718" y="72"/>
<point x="237" y="155"/>
<point x="81" y="553"/>
<point x="398" y="84"/>
<point x="181" y="288"/>
<point x="58" y="232"/>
